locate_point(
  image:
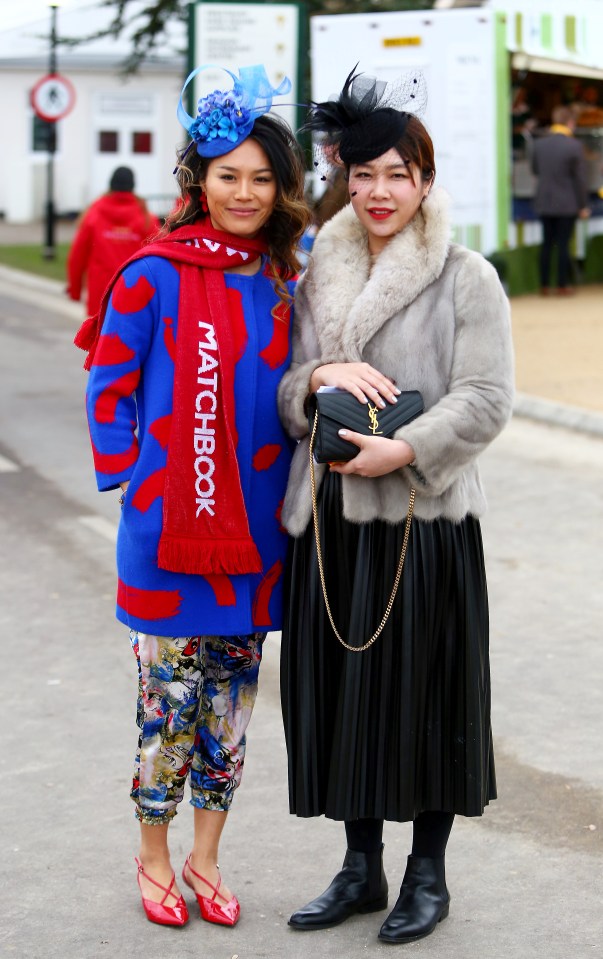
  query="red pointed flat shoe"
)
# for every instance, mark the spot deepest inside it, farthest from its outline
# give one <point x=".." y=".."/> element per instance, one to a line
<point x="225" y="913"/>
<point x="176" y="915"/>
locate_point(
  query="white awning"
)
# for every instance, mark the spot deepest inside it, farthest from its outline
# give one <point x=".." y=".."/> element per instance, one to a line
<point x="564" y="68"/>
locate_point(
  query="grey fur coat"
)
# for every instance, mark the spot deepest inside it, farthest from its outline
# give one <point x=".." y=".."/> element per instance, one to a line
<point x="432" y="316"/>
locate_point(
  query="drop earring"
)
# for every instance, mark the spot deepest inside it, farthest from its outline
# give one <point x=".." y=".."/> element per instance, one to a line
<point x="203" y="202"/>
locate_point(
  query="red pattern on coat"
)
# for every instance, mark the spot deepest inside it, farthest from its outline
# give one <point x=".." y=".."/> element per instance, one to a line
<point x="115" y="462"/>
<point x="275" y="354"/>
<point x="160" y="429"/>
<point x="278" y="517"/>
<point x="112" y="350"/>
<point x="131" y="299"/>
<point x="150" y="489"/>
<point x="261" y="600"/>
<point x="223" y="589"/>
<point x="148" y="603"/>
<point x="106" y="404"/>
<point x="266" y="456"/>
<point x="168" y="337"/>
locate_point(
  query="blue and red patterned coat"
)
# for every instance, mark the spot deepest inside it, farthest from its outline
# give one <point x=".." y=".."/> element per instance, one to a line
<point x="129" y="405"/>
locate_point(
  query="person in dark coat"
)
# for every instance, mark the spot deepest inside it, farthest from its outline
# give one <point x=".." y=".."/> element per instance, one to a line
<point x="111" y="230"/>
<point x="561" y="195"/>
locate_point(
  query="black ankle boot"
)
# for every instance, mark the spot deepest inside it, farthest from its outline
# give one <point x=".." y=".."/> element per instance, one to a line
<point x="361" y="886"/>
<point x="422" y="903"/>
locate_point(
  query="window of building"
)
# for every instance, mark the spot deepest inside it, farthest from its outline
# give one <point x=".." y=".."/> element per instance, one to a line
<point x="43" y="135"/>
<point x="108" y="141"/>
<point x="142" y="142"/>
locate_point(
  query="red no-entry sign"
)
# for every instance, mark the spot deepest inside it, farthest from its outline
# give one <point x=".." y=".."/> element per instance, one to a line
<point x="53" y="97"/>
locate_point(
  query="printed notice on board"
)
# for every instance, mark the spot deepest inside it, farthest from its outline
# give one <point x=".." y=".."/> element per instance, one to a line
<point x="244" y="34"/>
<point x="468" y="101"/>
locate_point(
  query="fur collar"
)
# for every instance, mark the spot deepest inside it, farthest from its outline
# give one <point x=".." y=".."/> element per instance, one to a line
<point x="353" y="302"/>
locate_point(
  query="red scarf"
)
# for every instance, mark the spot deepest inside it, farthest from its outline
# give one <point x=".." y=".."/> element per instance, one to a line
<point x="205" y="526"/>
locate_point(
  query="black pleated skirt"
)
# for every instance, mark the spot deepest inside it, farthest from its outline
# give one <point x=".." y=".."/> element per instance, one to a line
<point x="404" y="726"/>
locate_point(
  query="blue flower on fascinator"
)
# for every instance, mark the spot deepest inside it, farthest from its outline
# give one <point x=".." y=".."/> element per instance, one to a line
<point x="226" y="117"/>
<point x="220" y="115"/>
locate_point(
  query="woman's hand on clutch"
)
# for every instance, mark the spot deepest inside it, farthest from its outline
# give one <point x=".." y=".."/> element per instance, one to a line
<point x="376" y="457"/>
<point x="361" y="379"/>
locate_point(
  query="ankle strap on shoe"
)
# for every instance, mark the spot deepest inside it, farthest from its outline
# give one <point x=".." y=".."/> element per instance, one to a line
<point x="167" y="891"/>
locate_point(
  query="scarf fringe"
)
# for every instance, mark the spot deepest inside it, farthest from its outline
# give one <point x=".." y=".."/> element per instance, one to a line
<point x="86" y="338"/>
<point x="202" y="557"/>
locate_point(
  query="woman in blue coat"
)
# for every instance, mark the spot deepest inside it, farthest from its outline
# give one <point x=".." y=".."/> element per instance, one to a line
<point x="185" y="360"/>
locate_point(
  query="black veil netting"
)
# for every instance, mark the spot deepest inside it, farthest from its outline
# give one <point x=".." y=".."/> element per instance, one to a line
<point x="366" y="120"/>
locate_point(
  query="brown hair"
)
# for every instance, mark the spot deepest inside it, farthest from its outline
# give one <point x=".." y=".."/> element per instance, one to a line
<point x="416" y="146"/>
<point x="563" y="115"/>
<point x="291" y="214"/>
<point x="336" y="196"/>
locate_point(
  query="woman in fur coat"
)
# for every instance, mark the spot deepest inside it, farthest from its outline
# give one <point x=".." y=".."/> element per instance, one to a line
<point x="399" y="731"/>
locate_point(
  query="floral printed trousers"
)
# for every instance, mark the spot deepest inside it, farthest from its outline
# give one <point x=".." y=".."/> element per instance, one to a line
<point x="195" y="699"/>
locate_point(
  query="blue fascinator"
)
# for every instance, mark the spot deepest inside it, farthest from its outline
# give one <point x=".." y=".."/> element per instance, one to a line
<point x="226" y="117"/>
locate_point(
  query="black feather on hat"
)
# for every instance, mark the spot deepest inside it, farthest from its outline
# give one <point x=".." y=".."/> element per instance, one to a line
<point x="361" y="124"/>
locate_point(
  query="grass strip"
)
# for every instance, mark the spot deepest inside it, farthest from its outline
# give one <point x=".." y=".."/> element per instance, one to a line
<point x="29" y="257"/>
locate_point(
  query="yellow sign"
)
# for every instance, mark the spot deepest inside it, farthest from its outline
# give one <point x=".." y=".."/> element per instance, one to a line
<point x="402" y="41"/>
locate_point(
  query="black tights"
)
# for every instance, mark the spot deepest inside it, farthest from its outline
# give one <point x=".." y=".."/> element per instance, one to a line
<point x="430" y="832"/>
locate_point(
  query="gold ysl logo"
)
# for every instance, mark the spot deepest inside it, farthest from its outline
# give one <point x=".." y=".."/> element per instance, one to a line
<point x="373" y="421"/>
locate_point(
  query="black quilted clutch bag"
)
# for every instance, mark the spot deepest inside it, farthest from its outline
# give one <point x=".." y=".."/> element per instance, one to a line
<point x="338" y="409"/>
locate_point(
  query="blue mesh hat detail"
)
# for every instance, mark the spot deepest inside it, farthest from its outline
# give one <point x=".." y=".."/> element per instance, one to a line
<point x="226" y="117"/>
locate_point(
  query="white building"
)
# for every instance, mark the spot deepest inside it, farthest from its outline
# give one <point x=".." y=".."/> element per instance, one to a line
<point x="116" y="120"/>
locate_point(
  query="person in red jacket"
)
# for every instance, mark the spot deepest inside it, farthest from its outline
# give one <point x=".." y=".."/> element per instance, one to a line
<point x="112" y="229"/>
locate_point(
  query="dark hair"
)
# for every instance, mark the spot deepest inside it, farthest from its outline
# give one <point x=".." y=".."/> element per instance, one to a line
<point x="291" y="214"/>
<point x="414" y="146"/>
<point x="122" y="180"/>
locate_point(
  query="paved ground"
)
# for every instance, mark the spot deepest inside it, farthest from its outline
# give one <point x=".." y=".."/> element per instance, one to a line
<point x="559" y="347"/>
<point x="16" y="233"/>
<point x="526" y="880"/>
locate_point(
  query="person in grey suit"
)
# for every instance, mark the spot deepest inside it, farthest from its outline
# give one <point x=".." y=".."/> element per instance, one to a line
<point x="561" y="195"/>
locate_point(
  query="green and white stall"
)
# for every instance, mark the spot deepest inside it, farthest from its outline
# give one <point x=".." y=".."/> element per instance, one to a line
<point x="472" y="58"/>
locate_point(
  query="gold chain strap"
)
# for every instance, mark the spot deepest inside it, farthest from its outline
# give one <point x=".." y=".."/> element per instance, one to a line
<point x="411" y="506"/>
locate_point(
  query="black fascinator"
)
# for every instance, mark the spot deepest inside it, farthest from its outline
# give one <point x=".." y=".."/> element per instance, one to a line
<point x="367" y="118"/>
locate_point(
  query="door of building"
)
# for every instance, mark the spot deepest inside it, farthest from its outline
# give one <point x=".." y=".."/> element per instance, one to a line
<point x="125" y="133"/>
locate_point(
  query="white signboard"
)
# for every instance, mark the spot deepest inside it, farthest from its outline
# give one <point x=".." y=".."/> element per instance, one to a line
<point x="455" y="51"/>
<point x="235" y="35"/>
